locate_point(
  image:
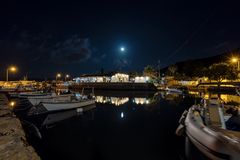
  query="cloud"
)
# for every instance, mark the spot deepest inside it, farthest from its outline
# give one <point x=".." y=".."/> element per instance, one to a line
<point x="45" y="48"/>
<point x="99" y="57"/>
<point x="72" y="50"/>
<point x="121" y="63"/>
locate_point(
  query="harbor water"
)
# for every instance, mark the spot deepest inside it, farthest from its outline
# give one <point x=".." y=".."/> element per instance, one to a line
<point x="122" y="125"/>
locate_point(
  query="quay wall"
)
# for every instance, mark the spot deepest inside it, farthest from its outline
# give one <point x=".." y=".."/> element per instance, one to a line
<point x="13" y="143"/>
<point x="115" y="86"/>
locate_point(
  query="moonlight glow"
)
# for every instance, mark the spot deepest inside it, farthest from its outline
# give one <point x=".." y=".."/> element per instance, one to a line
<point x="122" y="49"/>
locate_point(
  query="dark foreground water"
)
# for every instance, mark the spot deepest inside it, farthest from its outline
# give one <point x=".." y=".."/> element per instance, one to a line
<point x="121" y="126"/>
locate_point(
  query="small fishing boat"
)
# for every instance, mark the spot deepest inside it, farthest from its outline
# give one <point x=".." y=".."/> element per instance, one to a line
<point x="35" y="100"/>
<point x="20" y="90"/>
<point x="33" y="94"/>
<point x="57" y="106"/>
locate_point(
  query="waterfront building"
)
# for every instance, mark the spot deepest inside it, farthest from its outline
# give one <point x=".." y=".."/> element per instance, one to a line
<point x="95" y="78"/>
<point x="92" y="78"/>
<point x="120" y="77"/>
<point x="144" y="79"/>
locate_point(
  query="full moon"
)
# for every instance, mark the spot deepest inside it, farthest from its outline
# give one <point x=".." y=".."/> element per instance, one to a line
<point x="122" y="49"/>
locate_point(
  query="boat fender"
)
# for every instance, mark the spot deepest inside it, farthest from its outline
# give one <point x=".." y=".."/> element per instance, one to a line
<point x="183" y="117"/>
<point x="180" y="131"/>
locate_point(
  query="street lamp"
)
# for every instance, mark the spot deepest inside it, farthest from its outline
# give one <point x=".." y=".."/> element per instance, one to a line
<point x="236" y="60"/>
<point x="66" y="77"/>
<point x="58" y="76"/>
<point x="11" y="69"/>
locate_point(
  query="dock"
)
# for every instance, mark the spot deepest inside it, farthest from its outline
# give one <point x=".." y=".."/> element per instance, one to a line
<point x="13" y="142"/>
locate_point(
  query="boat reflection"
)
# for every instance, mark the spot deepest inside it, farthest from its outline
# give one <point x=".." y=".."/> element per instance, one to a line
<point x="35" y="124"/>
<point x="54" y="118"/>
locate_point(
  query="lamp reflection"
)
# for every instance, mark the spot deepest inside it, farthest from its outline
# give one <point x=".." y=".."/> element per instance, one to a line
<point x="122" y="115"/>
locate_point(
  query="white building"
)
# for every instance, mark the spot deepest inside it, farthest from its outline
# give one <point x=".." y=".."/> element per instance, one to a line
<point x="145" y="79"/>
<point x="120" y="77"/>
<point x="94" y="78"/>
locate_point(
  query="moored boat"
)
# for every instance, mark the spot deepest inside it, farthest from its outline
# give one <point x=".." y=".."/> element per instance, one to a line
<point x="204" y="127"/>
<point x="33" y="94"/>
<point x="57" y="106"/>
<point x="35" y="100"/>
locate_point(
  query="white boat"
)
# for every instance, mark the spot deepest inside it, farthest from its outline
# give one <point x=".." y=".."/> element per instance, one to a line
<point x="61" y="105"/>
<point x="35" y="100"/>
<point x="32" y="94"/>
<point x="210" y="138"/>
<point x="8" y="89"/>
<point x="174" y="90"/>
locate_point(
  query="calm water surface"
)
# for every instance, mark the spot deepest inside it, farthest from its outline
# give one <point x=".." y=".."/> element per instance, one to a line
<point x="121" y="126"/>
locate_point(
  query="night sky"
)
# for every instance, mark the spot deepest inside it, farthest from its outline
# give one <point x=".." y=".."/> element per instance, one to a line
<point x="43" y="38"/>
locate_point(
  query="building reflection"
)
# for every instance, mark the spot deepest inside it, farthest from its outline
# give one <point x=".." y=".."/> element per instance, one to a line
<point x="102" y="99"/>
<point x="149" y="100"/>
<point x="230" y="98"/>
<point x="117" y="101"/>
<point x="141" y="100"/>
<point x="226" y="98"/>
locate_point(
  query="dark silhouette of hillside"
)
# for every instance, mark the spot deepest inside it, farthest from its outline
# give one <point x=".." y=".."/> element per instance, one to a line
<point x="188" y="67"/>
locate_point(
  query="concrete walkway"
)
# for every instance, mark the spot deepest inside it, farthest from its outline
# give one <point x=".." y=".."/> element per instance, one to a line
<point x="13" y="143"/>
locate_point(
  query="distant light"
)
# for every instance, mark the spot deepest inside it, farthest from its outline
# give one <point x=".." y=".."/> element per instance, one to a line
<point x="122" y="49"/>
<point x="147" y="101"/>
<point x="13" y="69"/>
<point x="58" y="75"/>
<point x="67" y="76"/>
<point x="12" y="104"/>
<point x="122" y="114"/>
<point x="234" y="60"/>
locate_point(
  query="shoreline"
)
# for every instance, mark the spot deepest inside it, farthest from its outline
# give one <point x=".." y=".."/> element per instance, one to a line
<point x="13" y="142"/>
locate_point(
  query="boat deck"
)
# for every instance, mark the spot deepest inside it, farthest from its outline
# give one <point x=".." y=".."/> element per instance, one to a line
<point x="214" y="118"/>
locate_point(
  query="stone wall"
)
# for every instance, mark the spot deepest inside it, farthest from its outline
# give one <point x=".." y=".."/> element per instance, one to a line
<point x="13" y="143"/>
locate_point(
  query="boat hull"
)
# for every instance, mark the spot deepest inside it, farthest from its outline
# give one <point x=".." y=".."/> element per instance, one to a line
<point x="57" y="106"/>
<point x="213" y="143"/>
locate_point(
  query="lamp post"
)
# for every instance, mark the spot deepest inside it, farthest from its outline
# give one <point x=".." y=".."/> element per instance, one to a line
<point x="12" y="69"/>
<point x="66" y="77"/>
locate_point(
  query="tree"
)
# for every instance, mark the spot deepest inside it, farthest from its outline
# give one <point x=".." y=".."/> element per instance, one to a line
<point x="233" y="74"/>
<point x="172" y="70"/>
<point x="220" y="71"/>
<point x="201" y="72"/>
<point x="150" y="72"/>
